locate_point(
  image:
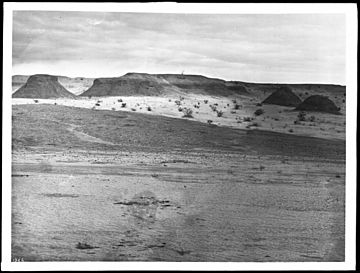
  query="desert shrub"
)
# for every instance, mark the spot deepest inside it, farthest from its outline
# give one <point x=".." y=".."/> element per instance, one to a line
<point x="259" y="112"/>
<point x="178" y="103"/>
<point x="55" y="103"/>
<point x="181" y="98"/>
<point x="297" y="122"/>
<point x="213" y="107"/>
<point x="209" y="121"/>
<point x="216" y="104"/>
<point x="97" y="104"/>
<point x="206" y="101"/>
<point x="120" y="100"/>
<point x="233" y="112"/>
<point x="343" y="101"/>
<point x="149" y="108"/>
<point x="291" y="130"/>
<point x="259" y="104"/>
<point x="302" y="116"/>
<point x="236" y="106"/>
<point x="169" y="100"/>
<point x="239" y="121"/>
<point x="219" y="113"/>
<point x="113" y="109"/>
<point x="247" y="119"/>
<point x="255" y="124"/>
<point x="306" y="93"/>
<point x="180" y="109"/>
<point x="187" y="113"/>
<point x="133" y="109"/>
<point x="99" y="101"/>
<point x="36" y="101"/>
<point x="123" y="105"/>
<point x="234" y="101"/>
<point x="312" y="118"/>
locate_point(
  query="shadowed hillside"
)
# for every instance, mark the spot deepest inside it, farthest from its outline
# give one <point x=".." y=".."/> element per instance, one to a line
<point x="162" y="84"/>
<point x="42" y="86"/>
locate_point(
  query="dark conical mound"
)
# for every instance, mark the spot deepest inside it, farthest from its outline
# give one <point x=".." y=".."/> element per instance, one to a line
<point x="318" y="103"/>
<point x="283" y="96"/>
<point x="42" y="87"/>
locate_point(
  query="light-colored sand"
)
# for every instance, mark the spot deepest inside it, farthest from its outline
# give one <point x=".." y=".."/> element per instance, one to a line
<point x="275" y="118"/>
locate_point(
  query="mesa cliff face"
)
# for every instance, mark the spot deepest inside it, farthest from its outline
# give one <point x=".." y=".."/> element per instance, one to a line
<point x="43" y="87"/>
<point x="134" y="84"/>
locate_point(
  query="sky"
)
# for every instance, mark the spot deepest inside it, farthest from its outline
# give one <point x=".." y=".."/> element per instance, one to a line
<point x="276" y="48"/>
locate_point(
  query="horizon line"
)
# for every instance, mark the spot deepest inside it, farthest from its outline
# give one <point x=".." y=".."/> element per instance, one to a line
<point x="102" y="77"/>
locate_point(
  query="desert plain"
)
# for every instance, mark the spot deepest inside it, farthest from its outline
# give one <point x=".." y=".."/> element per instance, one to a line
<point x="165" y="177"/>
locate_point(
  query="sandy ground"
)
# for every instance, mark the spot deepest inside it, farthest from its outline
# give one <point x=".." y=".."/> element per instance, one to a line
<point x="198" y="206"/>
<point x="92" y="185"/>
<point x="275" y="118"/>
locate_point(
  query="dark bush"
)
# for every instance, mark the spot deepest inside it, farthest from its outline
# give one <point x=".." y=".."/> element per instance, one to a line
<point x="302" y="116"/>
<point x="187" y="113"/>
<point x="259" y="112"/>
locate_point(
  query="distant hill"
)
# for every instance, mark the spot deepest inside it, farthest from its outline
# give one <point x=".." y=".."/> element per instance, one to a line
<point x="42" y="86"/>
<point x="132" y="84"/>
<point x="283" y="96"/>
<point x="75" y="85"/>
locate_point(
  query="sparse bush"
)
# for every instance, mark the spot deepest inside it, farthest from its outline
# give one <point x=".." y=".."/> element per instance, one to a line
<point x="120" y="100"/>
<point x="113" y="109"/>
<point x="236" y="106"/>
<point x="178" y="103"/>
<point x="297" y="122"/>
<point x="219" y="113"/>
<point x="259" y="104"/>
<point x="180" y="109"/>
<point x="181" y="98"/>
<point x="343" y="101"/>
<point x="89" y="97"/>
<point x="247" y="119"/>
<point x="206" y="101"/>
<point x="149" y="108"/>
<point x="259" y="112"/>
<point x="133" y="109"/>
<point x="291" y="130"/>
<point x="233" y="112"/>
<point x="234" y="101"/>
<point x="302" y="116"/>
<point x="97" y="104"/>
<point x="213" y="107"/>
<point x="36" y="101"/>
<point x="55" y="103"/>
<point x="312" y="118"/>
<point x="187" y="113"/>
<point x="209" y="121"/>
<point x="123" y="105"/>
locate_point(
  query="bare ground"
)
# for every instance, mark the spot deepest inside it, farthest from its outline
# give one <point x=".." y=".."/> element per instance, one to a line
<point x="111" y="186"/>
